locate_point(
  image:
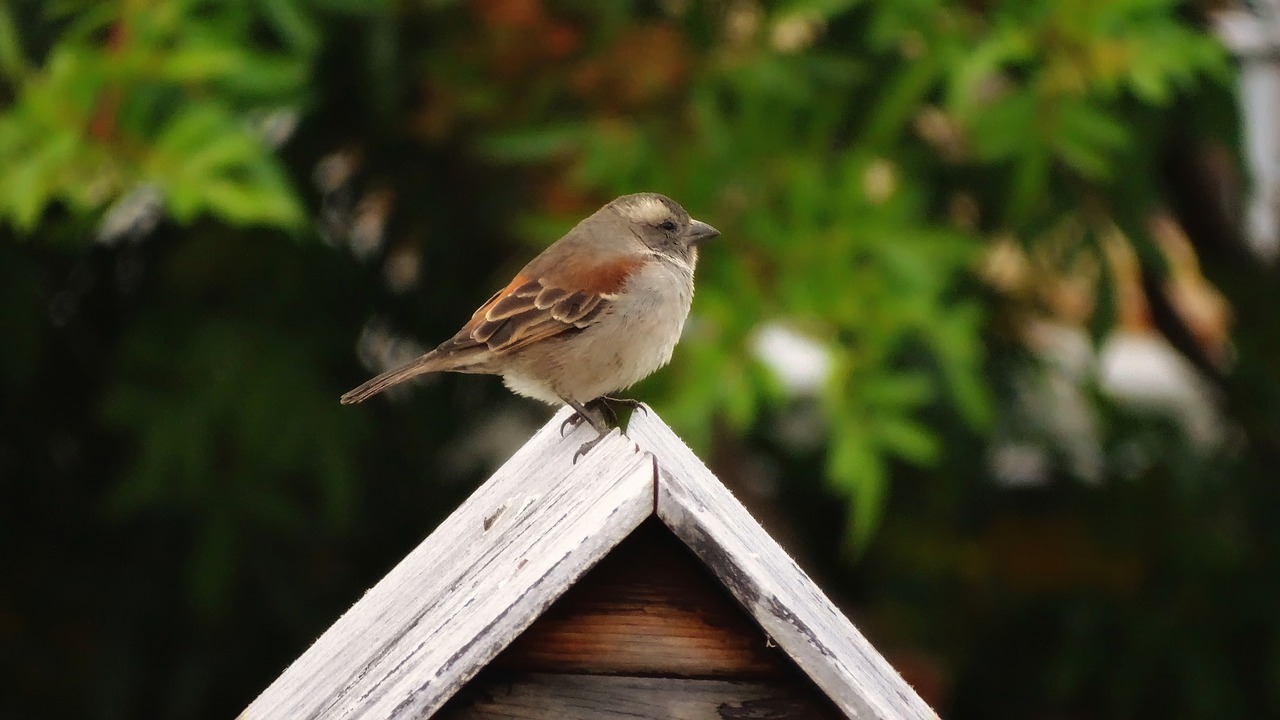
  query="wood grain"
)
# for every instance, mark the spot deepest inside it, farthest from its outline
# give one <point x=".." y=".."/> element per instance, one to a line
<point x="479" y="580"/>
<point x="596" y="697"/>
<point x="770" y="586"/>
<point x="530" y="533"/>
<point x="649" y="608"/>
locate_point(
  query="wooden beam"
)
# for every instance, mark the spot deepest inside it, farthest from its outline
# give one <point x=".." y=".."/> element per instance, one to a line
<point x="771" y="587"/>
<point x="476" y="583"/>
<point x="594" y="697"/>
<point x="529" y="534"/>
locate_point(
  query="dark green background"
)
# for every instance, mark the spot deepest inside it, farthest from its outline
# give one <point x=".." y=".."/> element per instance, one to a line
<point x="184" y="506"/>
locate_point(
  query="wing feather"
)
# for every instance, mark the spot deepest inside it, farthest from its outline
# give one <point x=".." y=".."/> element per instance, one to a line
<point x="519" y="300"/>
<point x="528" y="310"/>
<point x="549" y="296"/>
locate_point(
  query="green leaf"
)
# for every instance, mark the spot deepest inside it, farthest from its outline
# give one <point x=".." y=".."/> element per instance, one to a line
<point x="905" y="94"/>
<point x="906" y="439"/>
<point x="199" y="63"/>
<point x="899" y="390"/>
<point x="1006" y="128"/>
<point x="13" y="64"/>
<point x="1030" y="184"/>
<point x="1008" y="44"/>
<point x="204" y="161"/>
<point x="857" y="470"/>
<point x="1087" y="137"/>
<point x="266" y="202"/>
<point x="293" y="24"/>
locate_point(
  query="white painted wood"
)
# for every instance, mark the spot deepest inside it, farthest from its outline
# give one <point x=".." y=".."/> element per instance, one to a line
<point x="771" y="587"/>
<point x="483" y="576"/>
<point x="527" y="535"/>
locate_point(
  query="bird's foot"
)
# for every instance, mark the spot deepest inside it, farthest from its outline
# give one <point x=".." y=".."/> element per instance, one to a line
<point x="589" y="445"/>
<point x="572" y="422"/>
<point x="594" y="413"/>
<point x="628" y="403"/>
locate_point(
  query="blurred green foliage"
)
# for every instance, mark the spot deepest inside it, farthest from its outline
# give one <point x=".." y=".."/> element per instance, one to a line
<point x="811" y="154"/>
<point x="186" y="506"/>
<point x="152" y="95"/>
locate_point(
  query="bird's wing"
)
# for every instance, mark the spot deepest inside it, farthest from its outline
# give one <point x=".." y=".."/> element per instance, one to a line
<point x="530" y="309"/>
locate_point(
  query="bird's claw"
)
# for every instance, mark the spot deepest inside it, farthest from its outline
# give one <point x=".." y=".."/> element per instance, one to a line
<point x="588" y="445"/>
<point x="593" y="414"/>
<point x="626" y="402"/>
<point x="572" y="422"/>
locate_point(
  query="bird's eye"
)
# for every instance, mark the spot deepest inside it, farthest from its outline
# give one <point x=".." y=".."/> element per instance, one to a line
<point x="668" y="225"/>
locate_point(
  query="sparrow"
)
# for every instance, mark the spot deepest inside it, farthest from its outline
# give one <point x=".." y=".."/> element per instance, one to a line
<point x="596" y="312"/>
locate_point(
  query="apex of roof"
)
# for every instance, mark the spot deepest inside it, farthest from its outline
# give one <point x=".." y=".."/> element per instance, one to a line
<point x="528" y="534"/>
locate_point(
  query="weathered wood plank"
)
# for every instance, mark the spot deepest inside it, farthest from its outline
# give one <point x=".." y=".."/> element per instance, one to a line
<point x="649" y="608"/>
<point x="597" y="697"/>
<point x="769" y="584"/>
<point x="440" y="615"/>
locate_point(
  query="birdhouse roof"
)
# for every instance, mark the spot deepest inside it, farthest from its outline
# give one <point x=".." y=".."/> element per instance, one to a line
<point x="526" y="536"/>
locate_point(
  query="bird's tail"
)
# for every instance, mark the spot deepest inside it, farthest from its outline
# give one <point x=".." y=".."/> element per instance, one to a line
<point x="431" y="362"/>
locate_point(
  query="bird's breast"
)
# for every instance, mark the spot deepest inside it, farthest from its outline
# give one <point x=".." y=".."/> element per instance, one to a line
<point x="650" y="315"/>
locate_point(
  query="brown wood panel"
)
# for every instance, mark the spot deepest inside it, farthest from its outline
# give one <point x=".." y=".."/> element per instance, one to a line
<point x="595" y="697"/>
<point x="770" y="585"/>
<point x="649" y="608"/>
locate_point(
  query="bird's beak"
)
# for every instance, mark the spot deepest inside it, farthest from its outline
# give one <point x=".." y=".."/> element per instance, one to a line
<point x="700" y="232"/>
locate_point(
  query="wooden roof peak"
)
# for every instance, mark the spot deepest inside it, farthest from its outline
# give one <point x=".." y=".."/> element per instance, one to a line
<point x="526" y="536"/>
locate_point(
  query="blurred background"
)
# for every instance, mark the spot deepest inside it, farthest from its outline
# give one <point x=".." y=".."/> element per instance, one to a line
<point x="989" y="342"/>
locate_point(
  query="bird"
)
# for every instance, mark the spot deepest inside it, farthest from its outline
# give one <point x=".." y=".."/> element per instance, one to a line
<point x="594" y="313"/>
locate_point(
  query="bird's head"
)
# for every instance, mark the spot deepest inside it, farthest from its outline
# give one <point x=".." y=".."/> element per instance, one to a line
<point x="661" y="224"/>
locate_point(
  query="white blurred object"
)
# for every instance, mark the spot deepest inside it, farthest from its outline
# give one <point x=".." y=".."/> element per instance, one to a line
<point x="796" y="31"/>
<point x="1065" y="347"/>
<point x="1142" y="371"/>
<point x="1020" y="463"/>
<point x="368" y="231"/>
<point x="799" y="362"/>
<point x="1252" y="32"/>
<point x="379" y="350"/>
<point x="275" y="127"/>
<point x="488" y="444"/>
<point x="1137" y="369"/>
<point x="1057" y="402"/>
<point x="133" y="216"/>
